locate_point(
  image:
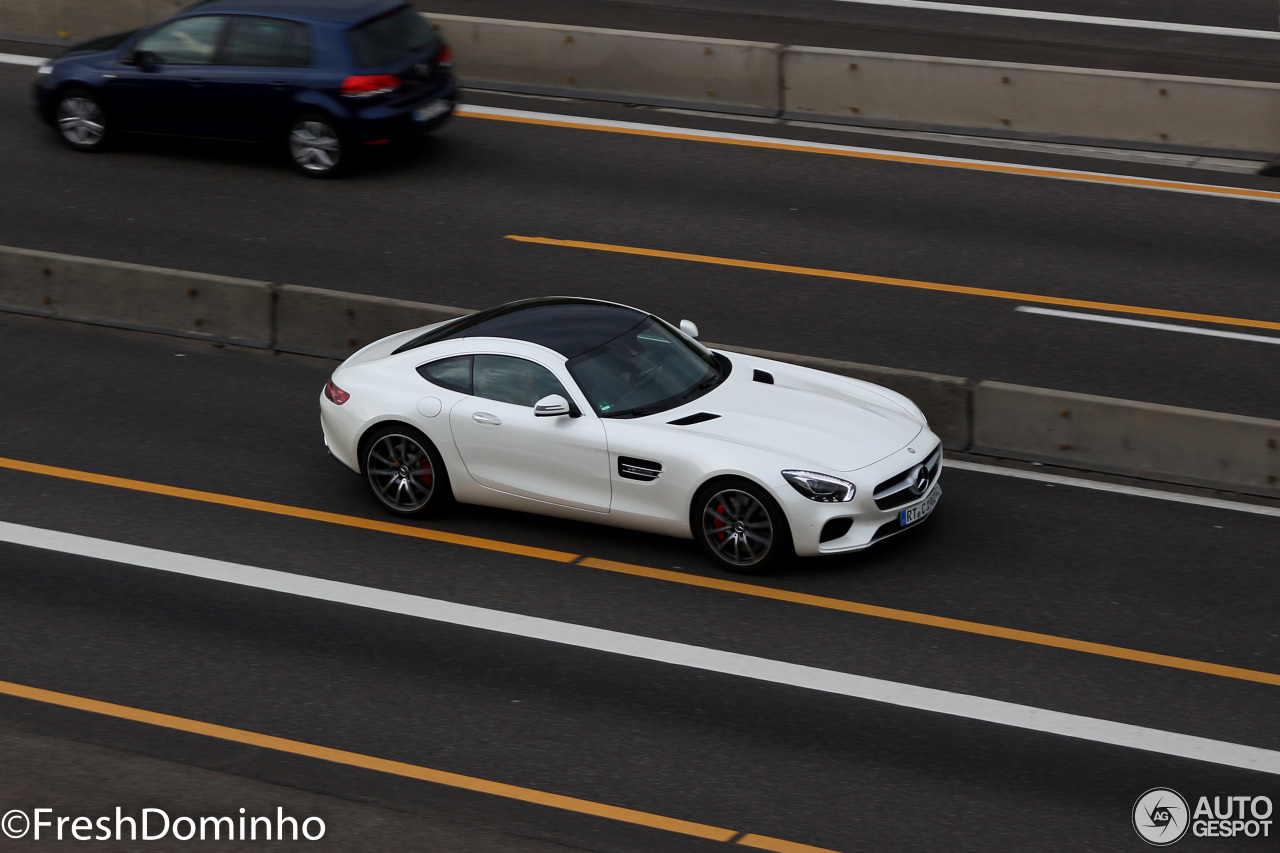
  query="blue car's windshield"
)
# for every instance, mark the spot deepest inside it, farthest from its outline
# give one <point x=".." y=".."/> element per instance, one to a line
<point x="646" y="370"/>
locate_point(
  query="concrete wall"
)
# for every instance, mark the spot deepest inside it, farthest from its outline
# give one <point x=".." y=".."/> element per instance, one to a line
<point x="1162" y="441"/>
<point x="77" y="20"/>
<point x="1077" y="430"/>
<point x="1033" y="99"/>
<point x="134" y="296"/>
<point x="737" y="75"/>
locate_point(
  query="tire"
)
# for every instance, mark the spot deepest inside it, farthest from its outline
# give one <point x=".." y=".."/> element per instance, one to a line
<point x="404" y="471"/>
<point x="741" y="527"/>
<point x="81" y="121"/>
<point x="316" y="146"/>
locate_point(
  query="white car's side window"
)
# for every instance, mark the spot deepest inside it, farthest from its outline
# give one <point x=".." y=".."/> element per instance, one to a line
<point x="452" y="373"/>
<point x="513" y="380"/>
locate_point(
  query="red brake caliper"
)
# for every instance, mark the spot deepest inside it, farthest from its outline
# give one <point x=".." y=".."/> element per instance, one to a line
<point x="719" y="525"/>
<point x="424" y="472"/>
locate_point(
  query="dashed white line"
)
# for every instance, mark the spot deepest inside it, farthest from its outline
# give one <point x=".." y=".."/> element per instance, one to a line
<point x="1068" y="18"/>
<point x="660" y="651"/>
<point x="1116" y="488"/>
<point x="17" y="59"/>
<point x="1148" y="324"/>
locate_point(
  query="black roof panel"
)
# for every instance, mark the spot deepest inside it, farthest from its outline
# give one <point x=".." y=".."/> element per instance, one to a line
<point x="566" y="324"/>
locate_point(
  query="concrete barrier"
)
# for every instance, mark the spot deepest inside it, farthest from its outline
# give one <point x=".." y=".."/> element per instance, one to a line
<point x="134" y="296"/>
<point x="615" y="64"/>
<point x="1163" y="442"/>
<point x="1037" y="100"/>
<point x="330" y="323"/>
<point x="77" y="20"/>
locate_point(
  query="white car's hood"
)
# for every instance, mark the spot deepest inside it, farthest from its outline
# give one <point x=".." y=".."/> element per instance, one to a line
<point x="826" y="422"/>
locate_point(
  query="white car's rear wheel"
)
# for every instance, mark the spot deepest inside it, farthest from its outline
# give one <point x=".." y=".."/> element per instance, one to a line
<point x="741" y="527"/>
<point x="404" y="471"/>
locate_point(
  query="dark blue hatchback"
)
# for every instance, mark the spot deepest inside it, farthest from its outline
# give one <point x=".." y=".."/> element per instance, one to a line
<point x="322" y="78"/>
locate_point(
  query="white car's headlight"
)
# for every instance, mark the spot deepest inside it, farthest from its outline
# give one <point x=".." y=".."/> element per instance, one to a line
<point x="820" y="487"/>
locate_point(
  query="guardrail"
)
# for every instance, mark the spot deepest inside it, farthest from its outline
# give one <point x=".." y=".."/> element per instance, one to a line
<point x="1079" y="430"/>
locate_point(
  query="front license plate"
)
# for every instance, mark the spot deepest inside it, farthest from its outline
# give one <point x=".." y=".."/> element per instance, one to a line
<point x="915" y="513"/>
<point x="426" y="112"/>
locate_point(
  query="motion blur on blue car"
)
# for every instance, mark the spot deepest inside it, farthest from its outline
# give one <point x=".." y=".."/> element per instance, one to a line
<point x="321" y="78"/>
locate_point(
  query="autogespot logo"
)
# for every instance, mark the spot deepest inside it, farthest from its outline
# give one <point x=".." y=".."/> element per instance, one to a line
<point x="1160" y="816"/>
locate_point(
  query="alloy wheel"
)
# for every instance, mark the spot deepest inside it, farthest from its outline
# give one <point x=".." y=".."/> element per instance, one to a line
<point x="80" y="121"/>
<point x="737" y="527"/>
<point x="400" y="472"/>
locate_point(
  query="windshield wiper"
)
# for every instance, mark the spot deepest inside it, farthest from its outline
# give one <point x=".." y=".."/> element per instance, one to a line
<point x="641" y="411"/>
<point x="702" y="386"/>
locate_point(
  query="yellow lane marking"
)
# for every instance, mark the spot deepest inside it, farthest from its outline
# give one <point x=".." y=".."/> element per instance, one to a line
<point x="936" y="621"/>
<point x="753" y="590"/>
<point x="382" y="765"/>
<point x="892" y="157"/>
<point x="901" y="282"/>
<point x="291" y="511"/>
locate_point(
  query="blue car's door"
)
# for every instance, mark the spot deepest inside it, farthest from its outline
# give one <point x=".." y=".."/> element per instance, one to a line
<point x="264" y="62"/>
<point x="161" y="82"/>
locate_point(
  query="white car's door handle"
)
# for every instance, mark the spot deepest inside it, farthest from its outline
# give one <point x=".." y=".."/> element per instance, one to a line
<point x="486" y="418"/>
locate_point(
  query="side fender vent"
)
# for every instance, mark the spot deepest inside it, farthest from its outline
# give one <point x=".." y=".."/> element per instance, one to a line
<point x="763" y="377"/>
<point x="690" y="420"/>
<point x="630" y="468"/>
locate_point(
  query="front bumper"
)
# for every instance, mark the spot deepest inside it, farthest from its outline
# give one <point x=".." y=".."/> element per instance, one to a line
<point x="838" y="528"/>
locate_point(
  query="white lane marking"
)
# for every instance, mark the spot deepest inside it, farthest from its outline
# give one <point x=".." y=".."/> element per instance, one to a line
<point x="1147" y="324"/>
<point x="1000" y="167"/>
<point x="1068" y="18"/>
<point x="661" y="651"/>
<point x="1135" y="491"/>
<point x="16" y="59"/>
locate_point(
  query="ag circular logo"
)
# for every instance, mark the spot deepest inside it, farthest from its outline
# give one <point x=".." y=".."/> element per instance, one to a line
<point x="1160" y="816"/>
<point x="15" y="823"/>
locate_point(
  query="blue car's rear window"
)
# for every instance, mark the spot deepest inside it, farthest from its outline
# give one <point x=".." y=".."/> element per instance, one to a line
<point x="391" y="37"/>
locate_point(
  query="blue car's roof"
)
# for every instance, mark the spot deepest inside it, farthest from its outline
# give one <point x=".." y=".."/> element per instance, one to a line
<point x="330" y="11"/>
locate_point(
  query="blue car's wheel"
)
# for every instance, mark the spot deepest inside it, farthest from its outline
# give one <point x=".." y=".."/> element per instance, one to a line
<point x="316" y="146"/>
<point x="81" y="121"/>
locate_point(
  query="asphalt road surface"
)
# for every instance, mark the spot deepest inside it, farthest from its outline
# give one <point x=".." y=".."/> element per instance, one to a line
<point x="1192" y="582"/>
<point x="434" y="223"/>
<point x="1087" y="599"/>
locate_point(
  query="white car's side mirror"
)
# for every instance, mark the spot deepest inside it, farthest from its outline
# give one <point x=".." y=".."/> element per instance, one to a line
<point x="689" y="328"/>
<point x="552" y="405"/>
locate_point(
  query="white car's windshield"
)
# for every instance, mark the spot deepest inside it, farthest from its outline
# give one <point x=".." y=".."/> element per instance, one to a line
<point x="648" y="369"/>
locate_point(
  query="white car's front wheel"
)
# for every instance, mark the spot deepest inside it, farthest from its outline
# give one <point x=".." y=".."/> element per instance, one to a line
<point x="741" y="527"/>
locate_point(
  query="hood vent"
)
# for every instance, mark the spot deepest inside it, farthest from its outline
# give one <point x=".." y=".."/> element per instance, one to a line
<point x="690" y="420"/>
<point x="762" y="377"/>
<point x="631" y="468"/>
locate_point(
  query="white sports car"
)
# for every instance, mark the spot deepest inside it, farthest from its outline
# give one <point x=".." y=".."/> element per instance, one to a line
<point x="595" y="411"/>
